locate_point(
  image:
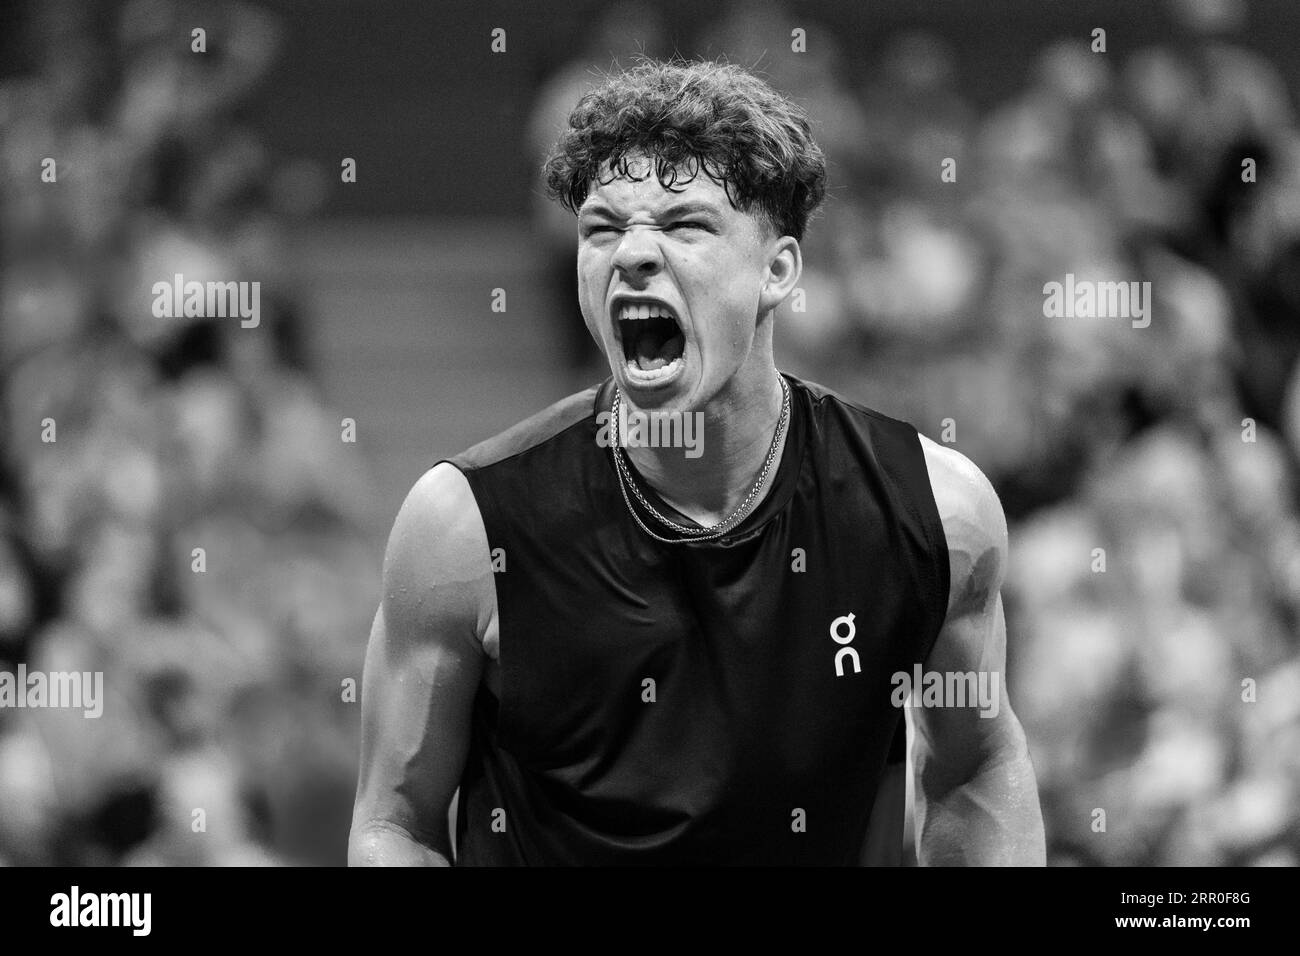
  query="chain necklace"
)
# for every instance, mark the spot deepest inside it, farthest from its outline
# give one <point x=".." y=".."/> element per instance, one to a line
<point x="625" y="480"/>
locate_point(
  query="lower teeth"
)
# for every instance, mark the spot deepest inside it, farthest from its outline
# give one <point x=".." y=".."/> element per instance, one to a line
<point x="659" y="372"/>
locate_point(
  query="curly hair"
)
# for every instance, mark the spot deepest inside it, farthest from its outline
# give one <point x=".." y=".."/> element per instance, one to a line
<point x="689" y="116"/>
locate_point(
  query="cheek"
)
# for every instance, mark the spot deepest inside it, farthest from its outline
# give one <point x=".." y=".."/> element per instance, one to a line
<point x="590" y="287"/>
<point x="725" y="292"/>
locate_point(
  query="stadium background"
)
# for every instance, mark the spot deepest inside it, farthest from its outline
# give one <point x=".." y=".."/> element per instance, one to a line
<point x="924" y="300"/>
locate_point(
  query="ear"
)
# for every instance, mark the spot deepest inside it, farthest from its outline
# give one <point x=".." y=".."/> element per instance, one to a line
<point x="784" y="267"/>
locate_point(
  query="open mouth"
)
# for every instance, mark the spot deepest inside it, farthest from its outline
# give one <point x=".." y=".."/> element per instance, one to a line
<point x="653" y="342"/>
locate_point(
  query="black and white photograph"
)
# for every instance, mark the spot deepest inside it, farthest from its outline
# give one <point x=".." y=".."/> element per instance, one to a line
<point x="651" y="433"/>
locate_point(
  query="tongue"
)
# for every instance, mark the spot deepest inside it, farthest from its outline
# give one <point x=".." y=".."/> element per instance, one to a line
<point x="651" y="353"/>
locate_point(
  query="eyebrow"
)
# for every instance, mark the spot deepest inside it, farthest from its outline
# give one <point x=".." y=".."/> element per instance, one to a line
<point x="672" y="212"/>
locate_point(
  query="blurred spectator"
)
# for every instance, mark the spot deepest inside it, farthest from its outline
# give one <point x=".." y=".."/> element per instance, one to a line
<point x="171" y="434"/>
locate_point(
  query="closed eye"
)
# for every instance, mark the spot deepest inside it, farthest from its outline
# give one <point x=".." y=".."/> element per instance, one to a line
<point x="688" y="224"/>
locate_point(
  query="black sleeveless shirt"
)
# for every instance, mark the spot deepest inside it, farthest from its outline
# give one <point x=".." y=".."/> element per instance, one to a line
<point x="697" y="703"/>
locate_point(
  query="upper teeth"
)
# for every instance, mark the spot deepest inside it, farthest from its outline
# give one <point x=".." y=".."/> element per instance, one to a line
<point x="631" y="311"/>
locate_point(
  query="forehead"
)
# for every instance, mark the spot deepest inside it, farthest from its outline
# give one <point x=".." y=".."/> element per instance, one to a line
<point x="641" y="191"/>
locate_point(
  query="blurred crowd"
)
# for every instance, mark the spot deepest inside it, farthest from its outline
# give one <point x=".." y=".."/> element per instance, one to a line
<point x="177" y="508"/>
<point x="1149" y="474"/>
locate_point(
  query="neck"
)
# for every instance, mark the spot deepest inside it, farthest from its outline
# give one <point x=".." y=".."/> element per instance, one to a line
<point x="737" y="430"/>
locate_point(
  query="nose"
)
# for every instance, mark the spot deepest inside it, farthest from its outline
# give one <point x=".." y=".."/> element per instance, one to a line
<point x="638" y="255"/>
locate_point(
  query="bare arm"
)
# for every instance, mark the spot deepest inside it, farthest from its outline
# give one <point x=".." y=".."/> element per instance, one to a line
<point x="423" y="666"/>
<point x="976" y="794"/>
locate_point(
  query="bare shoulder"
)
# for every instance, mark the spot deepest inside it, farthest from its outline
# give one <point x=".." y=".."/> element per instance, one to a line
<point x="437" y="568"/>
<point x="973" y="523"/>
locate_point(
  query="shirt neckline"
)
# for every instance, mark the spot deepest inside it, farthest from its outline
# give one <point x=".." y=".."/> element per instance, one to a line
<point x="773" y="503"/>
